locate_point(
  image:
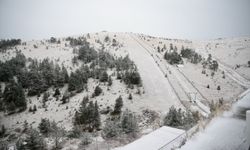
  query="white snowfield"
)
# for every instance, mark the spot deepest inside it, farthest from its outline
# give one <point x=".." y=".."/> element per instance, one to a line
<point x="164" y="85"/>
<point x="158" y="92"/>
<point x="186" y="92"/>
<point x="164" y="138"/>
<point x="229" y="53"/>
<point x="226" y="132"/>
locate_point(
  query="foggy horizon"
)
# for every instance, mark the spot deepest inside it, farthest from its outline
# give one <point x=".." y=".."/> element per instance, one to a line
<point x="208" y="19"/>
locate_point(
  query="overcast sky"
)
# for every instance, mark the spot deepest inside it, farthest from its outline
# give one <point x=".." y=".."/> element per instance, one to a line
<point x="192" y="19"/>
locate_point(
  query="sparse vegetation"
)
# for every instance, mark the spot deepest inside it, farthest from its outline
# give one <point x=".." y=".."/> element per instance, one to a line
<point x="179" y="119"/>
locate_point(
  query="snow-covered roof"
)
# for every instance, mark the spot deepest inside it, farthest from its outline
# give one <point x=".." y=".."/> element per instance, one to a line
<point x="163" y="138"/>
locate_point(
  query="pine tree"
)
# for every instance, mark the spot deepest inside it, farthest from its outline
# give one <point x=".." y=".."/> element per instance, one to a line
<point x="2" y="131"/>
<point x="104" y="77"/>
<point x="57" y="92"/>
<point x="97" y="91"/>
<point x="37" y="84"/>
<point x="97" y="121"/>
<point x="171" y="46"/>
<point x="218" y="87"/>
<point x="34" y="109"/>
<point x="65" y="74"/>
<point x="13" y="97"/>
<point x="174" y="118"/>
<point x="88" y="116"/>
<point x="110" y="82"/>
<point x="34" y="141"/>
<point x="25" y="126"/>
<point x="30" y="109"/>
<point x="44" y="126"/>
<point x="45" y="99"/>
<point x="47" y="71"/>
<point x="130" y="96"/>
<point x="129" y="122"/>
<point x="76" y="81"/>
<point x="91" y="116"/>
<point x="118" y="106"/>
<point x="111" y="129"/>
<point x="65" y="97"/>
<point x="59" y="76"/>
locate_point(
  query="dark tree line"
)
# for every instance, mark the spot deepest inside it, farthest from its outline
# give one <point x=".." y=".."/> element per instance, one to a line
<point x="13" y="98"/>
<point x="77" y="41"/>
<point x="41" y="75"/>
<point x="5" y="44"/>
<point x="12" y="67"/>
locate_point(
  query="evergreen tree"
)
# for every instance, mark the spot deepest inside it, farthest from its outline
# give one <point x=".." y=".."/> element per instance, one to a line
<point x="174" y="118"/>
<point x="65" y="97"/>
<point x="111" y="129"/>
<point x="214" y="65"/>
<point x="59" y="76"/>
<point x="171" y="46"/>
<point x="97" y="91"/>
<point x="13" y="97"/>
<point x="173" y="57"/>
<point x="47" y="71"/>
<point x="44" y="126"/>
<point x="25" y="126"/>
<point x="218" y="87"/>
<point x="37" y="83"/>
<point x="129" y="122"/>
<point x="45" y="99"/>
<point x="104" y="77"/>
<point x="110" y="82"/>
<point x="65" y="74"/>
<point x="34" y="141"/>
<point x="118" y="106"/>
<point x="88" y="116"/>
<point x="130" y="96"/>
<point x="57" y="92"/>
<point x="91" y="116"/>
<point x="76" y="81"/>
<point x="97" y="121"/>
<point x="34" y="109"/>
<point x="87" y="53"/>
<point x="2" y="131"/>
<point x="106" y="39"/>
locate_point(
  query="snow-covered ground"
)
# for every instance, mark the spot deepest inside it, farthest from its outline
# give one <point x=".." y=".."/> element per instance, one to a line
<point x="160" y="139"/>
<point x="224" y="132"/>
<point x="163" y="85"/>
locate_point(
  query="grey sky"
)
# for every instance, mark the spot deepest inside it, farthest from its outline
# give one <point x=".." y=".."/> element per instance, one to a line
<point x="193" y="19"/>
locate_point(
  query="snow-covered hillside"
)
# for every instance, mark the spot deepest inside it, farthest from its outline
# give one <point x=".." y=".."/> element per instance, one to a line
<point x="163" y="85"/>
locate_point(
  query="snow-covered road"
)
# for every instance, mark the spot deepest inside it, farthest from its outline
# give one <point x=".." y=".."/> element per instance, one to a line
<point x="158" y="93"/>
